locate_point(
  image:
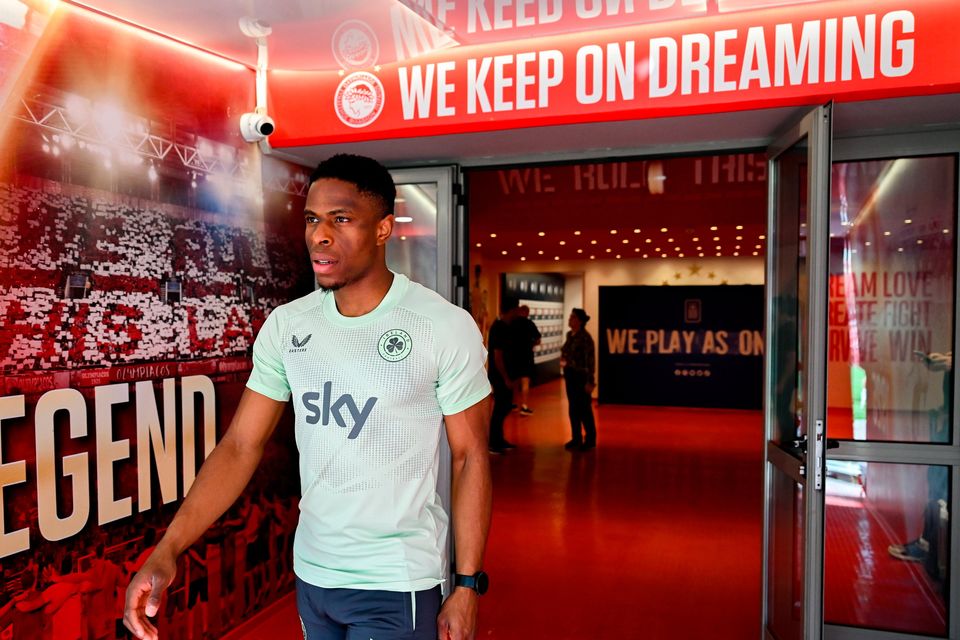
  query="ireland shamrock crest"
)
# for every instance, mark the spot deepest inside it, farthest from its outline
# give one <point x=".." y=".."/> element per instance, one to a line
<point x="395" y="345"/>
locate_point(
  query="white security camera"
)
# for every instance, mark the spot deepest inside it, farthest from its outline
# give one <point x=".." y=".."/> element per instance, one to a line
<point x="254" y="127"/>
<point x="254" y="27"/>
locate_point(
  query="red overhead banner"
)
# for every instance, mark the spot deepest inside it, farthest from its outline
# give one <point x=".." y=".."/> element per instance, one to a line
<point x="849" y="50"/>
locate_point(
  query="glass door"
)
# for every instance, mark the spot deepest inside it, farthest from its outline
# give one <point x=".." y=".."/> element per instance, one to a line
<point x="424" y="243"/>
<point x="795" y="410"/>
<point x="891" y="562"/>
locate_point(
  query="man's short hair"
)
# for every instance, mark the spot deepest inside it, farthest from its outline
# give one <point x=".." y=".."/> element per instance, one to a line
<point x="366" y="174"/>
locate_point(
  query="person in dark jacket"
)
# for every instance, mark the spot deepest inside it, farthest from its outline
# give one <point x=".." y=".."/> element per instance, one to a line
<point x="577" y="357"/>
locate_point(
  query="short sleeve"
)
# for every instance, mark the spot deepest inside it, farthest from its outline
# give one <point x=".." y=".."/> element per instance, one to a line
<point x="462" y="379"/>
<point x="269" y="376"/>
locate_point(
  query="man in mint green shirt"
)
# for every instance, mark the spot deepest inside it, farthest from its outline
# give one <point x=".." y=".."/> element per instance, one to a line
<point x="375" y="366"/>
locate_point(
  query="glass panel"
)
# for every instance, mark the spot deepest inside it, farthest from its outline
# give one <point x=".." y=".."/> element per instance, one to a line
<point x="785" y="561"/>
<point x="887" y="546"/>
<point x="891" y="299"/>
<point x="790" y="299"/>
<point x="413" y="248"/>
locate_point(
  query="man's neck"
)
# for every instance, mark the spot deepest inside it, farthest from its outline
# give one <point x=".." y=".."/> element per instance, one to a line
<point x="361" y="297"/>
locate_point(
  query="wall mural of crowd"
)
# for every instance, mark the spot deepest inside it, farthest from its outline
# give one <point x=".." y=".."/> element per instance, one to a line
<point x="132" y="287"/>
<point x="90" y="277"/>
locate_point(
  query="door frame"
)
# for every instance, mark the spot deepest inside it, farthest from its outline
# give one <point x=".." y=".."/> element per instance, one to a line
<point x="815" y="127"/>
<point x="447" y="179"/>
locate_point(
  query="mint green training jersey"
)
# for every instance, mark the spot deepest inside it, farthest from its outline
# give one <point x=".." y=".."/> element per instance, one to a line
<point x="369" y="394"/>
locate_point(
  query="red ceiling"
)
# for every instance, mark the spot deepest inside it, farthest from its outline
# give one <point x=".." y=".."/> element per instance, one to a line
<point x="705" y="202"/>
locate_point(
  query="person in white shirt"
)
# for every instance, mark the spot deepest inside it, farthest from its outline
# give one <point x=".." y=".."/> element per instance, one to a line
<point x="375" y="365"/>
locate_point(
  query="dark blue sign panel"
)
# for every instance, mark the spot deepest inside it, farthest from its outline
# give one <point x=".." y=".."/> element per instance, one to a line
<point x="682" y="346"/>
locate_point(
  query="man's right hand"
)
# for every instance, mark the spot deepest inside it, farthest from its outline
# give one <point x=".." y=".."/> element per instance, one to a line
<point x="145" y="591"/>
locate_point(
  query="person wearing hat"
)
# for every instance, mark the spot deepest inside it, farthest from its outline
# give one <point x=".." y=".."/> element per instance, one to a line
<point x="577" y="357"/>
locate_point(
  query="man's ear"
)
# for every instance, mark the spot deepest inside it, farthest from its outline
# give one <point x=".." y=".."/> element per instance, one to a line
<point x="384" y="229"/>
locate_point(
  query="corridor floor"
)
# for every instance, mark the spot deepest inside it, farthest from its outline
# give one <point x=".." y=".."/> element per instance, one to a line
<point x="655" y="534"/>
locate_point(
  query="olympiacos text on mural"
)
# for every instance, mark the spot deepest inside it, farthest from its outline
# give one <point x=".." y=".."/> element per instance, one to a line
<point x="760" y="57"/>
<point x="67" y="479"/>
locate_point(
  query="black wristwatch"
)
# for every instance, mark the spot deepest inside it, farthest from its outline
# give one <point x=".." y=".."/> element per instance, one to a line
<point x="478" y="581"/>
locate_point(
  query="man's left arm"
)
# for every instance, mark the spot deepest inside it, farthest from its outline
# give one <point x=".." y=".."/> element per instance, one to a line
<point x="471" y="501"/>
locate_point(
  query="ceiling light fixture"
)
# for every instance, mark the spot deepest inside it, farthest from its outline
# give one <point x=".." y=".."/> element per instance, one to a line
<point x="403" y="218"/>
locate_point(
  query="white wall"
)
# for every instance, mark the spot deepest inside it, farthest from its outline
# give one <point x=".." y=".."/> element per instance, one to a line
<point x="572" y="294"/>
<point x="650" y="271"/>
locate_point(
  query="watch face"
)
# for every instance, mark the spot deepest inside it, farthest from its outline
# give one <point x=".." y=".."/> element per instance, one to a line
<point x="483" y="582"/>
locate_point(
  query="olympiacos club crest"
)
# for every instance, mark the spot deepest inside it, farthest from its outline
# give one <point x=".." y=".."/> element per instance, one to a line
<point x="355" y="45"/>
<point x="359" y="99"/>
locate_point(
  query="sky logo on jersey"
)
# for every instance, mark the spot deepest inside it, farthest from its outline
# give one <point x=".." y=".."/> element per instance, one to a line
<point x="299" y="346"/>
<point x="327" y="407"/>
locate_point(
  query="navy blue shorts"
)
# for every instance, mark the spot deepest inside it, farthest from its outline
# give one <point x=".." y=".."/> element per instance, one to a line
<point x="357" y="614"/>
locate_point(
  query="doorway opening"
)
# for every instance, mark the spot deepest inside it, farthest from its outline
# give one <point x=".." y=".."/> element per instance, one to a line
<point x="665" y="256"/>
